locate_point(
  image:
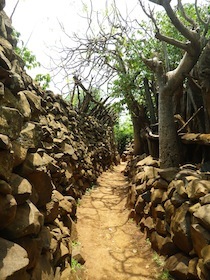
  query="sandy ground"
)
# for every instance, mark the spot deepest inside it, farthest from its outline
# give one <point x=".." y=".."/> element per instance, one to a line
<point x="112" y="245"/>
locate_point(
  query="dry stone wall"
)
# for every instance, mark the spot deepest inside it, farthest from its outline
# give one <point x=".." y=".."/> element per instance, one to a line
<point x="172" y="206"/>
<point x="49" y="156"/>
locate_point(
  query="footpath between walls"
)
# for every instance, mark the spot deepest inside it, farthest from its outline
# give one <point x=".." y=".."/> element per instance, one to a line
<point x="49" y="156"/>
<point x="172" y="206"/>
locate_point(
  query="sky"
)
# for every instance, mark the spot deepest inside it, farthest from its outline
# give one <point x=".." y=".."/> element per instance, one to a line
<point x="38" y="22"/>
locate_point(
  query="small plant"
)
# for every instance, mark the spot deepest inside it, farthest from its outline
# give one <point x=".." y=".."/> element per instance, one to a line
<point x="148" y="241"/>
<point x="165" y="276"/>
<point x="78" y="202"/>
<point x="75" y="265"/>
<point x="158" y="259"/>
<point x="92" y="186"/>
<point x="75" y="244"/>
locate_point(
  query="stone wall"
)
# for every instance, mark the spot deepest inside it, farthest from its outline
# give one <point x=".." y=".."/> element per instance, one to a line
<point x="49" y="156"/>
<point x="172" y="206"/>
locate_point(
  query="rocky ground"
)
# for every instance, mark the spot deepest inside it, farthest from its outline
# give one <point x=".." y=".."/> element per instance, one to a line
<point x="111" y="243"/>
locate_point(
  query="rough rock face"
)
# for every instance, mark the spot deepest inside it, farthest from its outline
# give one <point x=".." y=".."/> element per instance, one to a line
<point x="172" y="206"/>
<point x="49" y="156"/>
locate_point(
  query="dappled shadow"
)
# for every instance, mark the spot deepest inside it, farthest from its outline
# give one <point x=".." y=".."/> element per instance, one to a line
<point x="115" y="248"/>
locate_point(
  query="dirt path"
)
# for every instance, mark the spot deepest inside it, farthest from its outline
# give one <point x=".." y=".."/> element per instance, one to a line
<point x="111" y="244"/>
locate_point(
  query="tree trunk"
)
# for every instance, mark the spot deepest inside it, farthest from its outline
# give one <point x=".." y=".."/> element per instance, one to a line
<point x="204" y="78"/>
<point x="169" y="149"/>
<point x="140" y="144"/>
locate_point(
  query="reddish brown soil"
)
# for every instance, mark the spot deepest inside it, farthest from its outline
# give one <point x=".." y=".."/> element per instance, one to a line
<point x="112" y="245"/>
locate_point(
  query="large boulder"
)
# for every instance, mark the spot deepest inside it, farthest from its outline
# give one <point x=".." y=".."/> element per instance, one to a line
<point x="28" y="220"/>
<point x="11" y="122"/>
<point x="8" y="207"/>
<point x="180" y="228"/>
<point x="177" y="265"/>
<point x="13" y="261"/>
<point x="200" y="238"/>
<point x="21" y="188"/>
<point x="6" y="164"/>
<point x="202" y="214"/>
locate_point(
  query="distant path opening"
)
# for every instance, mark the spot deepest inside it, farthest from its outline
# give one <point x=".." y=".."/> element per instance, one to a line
<point x="112" y="245"/>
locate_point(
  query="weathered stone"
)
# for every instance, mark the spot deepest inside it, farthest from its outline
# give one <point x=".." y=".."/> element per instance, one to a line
<point x="139" y="206"/>
<point x="160" y="184"/>
<point x="167" y="247"/>
<point x="158" y="212"/>
<point x="33" y="247"/>
<point x="13" y="261"/>
<point x="160" y="227"/>
<point x="25" y="106"/>
<point x="156" y="196"/>
<point x="6" y="164"/>
<point x="43" y="269"/>
<point x="28" y="220"/>
<point x="192" y="271"/>
<point x="148" y="161"/>
<point x="196" y="189"/>
<point x="205" y="199"/>
<point x="181" y="189"/>
<point x="202" y="214"/>
<point x="177" y="200"/>
<point x="168" y="174"/>
<point x="11" y="122"/>
<point x="202" y="272"/>
<point x="35" y="103"/>
<point x="20" y="153"/>
<point x="180" y="228"/>
<point x="76" y="255"/>
<point x="194" y="208"/>
<point x="21" y="188"/>
<point x="200" y="238"/>
<point x="156" y="241"/>
<point x="5" y="143"/>
<point x="8" y="207"/>
<point x="171" y="188"/>
<point x="5" y="188"/>
<point x="177" y="266"/>
<point x="61" y="254"/>
<point x="71" y="225"/>
<point x="43" y="185"/>
<point x="205" y="253"/>
<point x="30" y="135"/>
<point x="51" y="210"/>
<point x="169" y="210"/>
<point x="139" y="178"/>
<point x="46" y="237"/>
<point x="150" y="172"/>
<point x="4" y="62"/>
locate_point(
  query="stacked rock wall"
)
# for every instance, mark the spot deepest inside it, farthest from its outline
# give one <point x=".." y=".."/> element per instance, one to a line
<point x="172" y="206"/>
<point x="49" y="156"/>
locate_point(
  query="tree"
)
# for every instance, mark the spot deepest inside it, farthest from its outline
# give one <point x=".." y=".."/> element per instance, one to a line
<point x="169" y="82"/>
<point x="30" y="60"/>
<point x="111" y="54"/>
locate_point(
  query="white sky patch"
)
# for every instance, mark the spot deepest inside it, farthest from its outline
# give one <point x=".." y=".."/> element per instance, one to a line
<point x="38" y="21"/>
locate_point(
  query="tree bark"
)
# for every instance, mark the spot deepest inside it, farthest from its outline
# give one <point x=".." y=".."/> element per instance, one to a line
<point x="169" y="148"/>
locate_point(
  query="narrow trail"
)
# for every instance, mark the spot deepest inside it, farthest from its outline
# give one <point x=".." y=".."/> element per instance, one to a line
<point x="112" y="245"/>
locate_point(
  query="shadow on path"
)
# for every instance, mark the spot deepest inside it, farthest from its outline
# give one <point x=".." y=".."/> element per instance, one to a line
<point x="112" y="245"/>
